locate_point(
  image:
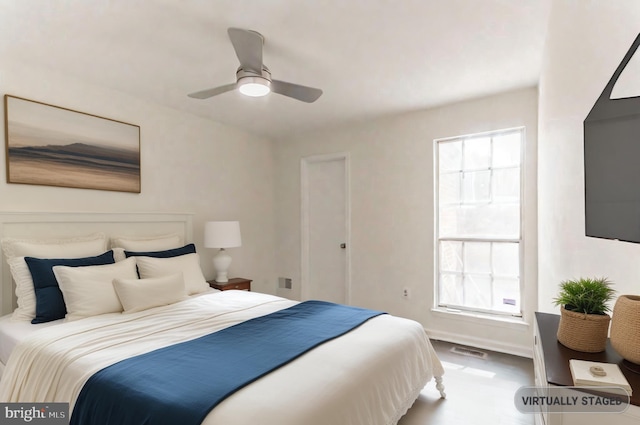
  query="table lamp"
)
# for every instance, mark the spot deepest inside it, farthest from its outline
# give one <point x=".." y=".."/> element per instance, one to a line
<point x="222" y="234"/>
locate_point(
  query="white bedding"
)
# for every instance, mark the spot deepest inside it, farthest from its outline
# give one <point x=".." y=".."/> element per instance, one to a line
<point x="12" y="332"/>
<point x="369" y="376"/>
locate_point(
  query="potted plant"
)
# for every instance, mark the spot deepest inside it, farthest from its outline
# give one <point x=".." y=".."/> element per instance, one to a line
<point x="625" y="328"/>
<point x="584" y="318"/>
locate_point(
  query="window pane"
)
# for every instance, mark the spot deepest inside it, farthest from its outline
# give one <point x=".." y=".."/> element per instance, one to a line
<point x="505" y="259"/>
<point x="476" y="186"/>
<point x="477" y="257"/>
<point x="506" y="185"/>
<point x="477" y="153"/>
<point x="506" y="295"/>
<point x="450" y="289"/>
<point x="448" y="221"/>
<point x="486" y="221"/>
<point x="450" y="156"/>
<point x="449" y="189"/>
<point x="477" y="291"/>
<point x="506" y="150"/>
<point x="451" y="256"/>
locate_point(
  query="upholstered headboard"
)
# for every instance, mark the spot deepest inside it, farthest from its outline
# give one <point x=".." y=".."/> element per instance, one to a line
<point x="66" y="225"/>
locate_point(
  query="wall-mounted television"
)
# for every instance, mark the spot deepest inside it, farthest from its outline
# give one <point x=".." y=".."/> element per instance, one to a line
<point x="612" y="163"/>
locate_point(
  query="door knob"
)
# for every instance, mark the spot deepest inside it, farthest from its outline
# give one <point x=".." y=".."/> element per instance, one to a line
<point x="343" y="245"/>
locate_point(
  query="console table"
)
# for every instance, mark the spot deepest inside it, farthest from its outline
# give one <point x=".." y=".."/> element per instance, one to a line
<point x="551" y="367"/>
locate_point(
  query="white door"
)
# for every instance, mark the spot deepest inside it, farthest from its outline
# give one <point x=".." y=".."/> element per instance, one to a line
<point x="325" y="244"/>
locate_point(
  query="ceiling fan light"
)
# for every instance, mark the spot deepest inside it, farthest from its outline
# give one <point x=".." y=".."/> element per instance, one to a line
<point x="254" y="86"/>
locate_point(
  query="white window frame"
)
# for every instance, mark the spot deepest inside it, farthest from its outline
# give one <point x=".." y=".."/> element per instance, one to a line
<point x="520" y="240"/>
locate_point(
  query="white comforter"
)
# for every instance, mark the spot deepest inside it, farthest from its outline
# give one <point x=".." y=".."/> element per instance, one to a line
<point x="369" y="376"/>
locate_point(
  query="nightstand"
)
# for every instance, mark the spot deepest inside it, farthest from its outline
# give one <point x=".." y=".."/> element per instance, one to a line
<point x="551" y="368"/>
<point x="235" y="283"/>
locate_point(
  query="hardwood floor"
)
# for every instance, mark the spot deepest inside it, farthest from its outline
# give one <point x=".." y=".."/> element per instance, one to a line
<point x="479" y="390"/>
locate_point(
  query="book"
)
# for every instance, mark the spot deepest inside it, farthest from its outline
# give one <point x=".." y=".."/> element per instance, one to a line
<point x="582" y="375"/>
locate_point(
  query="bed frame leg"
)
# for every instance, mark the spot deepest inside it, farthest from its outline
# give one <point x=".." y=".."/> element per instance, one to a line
<point x="440" y="387"/>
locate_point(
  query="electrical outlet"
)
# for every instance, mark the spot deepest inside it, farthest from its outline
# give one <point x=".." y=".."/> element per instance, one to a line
<point x="285" y="283"/>
<point x="405" y="292"/>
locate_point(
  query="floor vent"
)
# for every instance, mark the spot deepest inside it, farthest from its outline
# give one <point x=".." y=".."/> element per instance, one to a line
<point x="469" y="352"/>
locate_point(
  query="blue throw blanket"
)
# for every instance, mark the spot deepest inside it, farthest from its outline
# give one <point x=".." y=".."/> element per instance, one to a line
<point x="180" y="384"/>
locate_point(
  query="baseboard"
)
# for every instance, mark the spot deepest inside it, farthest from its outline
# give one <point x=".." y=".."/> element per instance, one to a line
<point x="516" y="350"/>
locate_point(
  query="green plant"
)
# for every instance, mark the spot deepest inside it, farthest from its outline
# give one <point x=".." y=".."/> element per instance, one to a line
<point x="585" y="295"/>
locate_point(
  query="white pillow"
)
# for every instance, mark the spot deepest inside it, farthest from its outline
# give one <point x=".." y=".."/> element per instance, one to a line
<point x="118" y="254"/>
<point x="16" y="249"/>
<point x="78" y="247"/>
<point x="188" y="264"/>
<point x="88" y="290"/>
<point x="149" y="243"/>
<point x="25" y="292"/>
<point x="142" y="294"/>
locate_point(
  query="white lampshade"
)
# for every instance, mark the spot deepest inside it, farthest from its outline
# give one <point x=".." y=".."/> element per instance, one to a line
<point x="222" y="234"/>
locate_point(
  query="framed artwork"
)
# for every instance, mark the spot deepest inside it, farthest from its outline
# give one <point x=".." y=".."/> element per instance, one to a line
<point x="54" y="146"/>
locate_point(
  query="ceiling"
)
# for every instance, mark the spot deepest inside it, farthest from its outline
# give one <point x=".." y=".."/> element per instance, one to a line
<point x="370" y="57"/>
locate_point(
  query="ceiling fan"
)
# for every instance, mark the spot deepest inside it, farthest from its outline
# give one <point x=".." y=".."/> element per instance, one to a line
<point x="253" y="77"/>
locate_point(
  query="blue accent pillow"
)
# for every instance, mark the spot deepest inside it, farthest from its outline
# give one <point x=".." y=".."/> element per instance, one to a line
<point x="49" y="301"/>
<point x="175" y="252"/>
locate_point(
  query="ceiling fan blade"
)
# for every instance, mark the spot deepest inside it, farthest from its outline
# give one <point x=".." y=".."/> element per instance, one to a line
<point x="205" y="94"/>
<point x="248" y="47"/>
<point x="296" y="91"/>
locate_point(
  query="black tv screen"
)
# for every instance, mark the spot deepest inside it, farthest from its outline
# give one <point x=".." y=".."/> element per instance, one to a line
<point x="612" y="178"/>
<point x="612" y="163"/>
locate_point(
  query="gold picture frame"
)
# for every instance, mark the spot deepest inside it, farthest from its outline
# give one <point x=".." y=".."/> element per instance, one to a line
<point x="54" y="146"/>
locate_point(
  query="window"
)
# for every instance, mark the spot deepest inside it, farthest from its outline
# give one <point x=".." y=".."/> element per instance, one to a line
<point x="478" y="216"/>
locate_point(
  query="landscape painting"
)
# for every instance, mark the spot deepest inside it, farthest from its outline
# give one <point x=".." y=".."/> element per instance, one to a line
<point x="54" y="146"/>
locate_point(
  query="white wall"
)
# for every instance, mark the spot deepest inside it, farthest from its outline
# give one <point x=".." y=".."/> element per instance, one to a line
<point x="586" y="42"/>
<point x="392" y="211"/>
<point x="188" y="164"/>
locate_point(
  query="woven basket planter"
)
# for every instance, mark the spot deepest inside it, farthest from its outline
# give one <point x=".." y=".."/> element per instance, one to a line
<point x="625" y="327"/>
<point x="583" y="332"/>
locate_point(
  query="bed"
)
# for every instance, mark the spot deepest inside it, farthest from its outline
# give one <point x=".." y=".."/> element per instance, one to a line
<point x="370" y="374"/>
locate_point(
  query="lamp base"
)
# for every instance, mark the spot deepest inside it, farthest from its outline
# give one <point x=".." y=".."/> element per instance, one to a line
<point x="221" y="277"/>
<point x="221" y="263"/>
